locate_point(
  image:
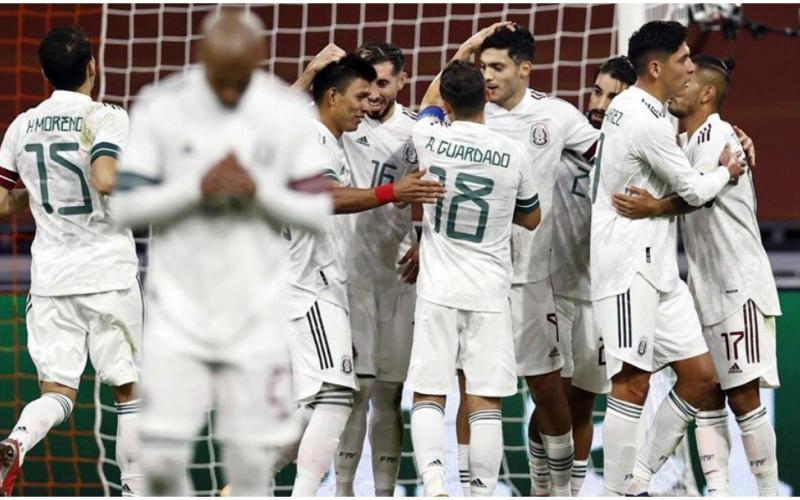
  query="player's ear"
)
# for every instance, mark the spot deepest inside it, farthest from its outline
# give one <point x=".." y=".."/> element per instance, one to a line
<point x="402" y="80"/>
<point x="91" y="68"/>
<point x="525" y="69"/>
<point x="330" y="96"/>
<point x="708" y="94"/>
<point x="654" y="68"/>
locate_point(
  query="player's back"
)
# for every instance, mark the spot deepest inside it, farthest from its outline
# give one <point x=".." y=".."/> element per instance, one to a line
<point x="465" y="258"/>
<point x="722" y="280"/>
<point x="77" y="248"/>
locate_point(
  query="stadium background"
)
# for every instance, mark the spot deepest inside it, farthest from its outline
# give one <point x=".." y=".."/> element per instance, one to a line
<point x="147" y="42"/>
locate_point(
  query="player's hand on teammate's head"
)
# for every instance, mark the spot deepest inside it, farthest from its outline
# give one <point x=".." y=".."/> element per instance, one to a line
<point x="747" y="145"/>
<point x="227" y="179"/>
<point x="331" y="53"/>
<point x="412" y="188"/>
<point x="636" y="203"/>
<point x="473" y="43"/>
<point x="411" y="260"/>
<point x="734" y="165"/>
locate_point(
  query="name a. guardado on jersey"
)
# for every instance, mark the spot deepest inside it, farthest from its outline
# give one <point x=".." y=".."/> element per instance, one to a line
<point x="468" y="153"/>
<point x="53" y="123"/>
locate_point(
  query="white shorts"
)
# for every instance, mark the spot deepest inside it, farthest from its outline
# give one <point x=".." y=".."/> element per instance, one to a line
<point x="647" y="328"/>
<point x="105" y="327"/>
<point x="253" y="404"/>
<point x="322" y="350"/>
<point x="482" y="343"/>
<point x="383" y="329"/>
<point x="581" y="347"/>
<point x="536" y="338"/>
<point x="743" y="348"/>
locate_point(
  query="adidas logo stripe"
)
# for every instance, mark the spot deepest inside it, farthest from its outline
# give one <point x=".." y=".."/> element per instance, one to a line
<point x="363" y="141"/>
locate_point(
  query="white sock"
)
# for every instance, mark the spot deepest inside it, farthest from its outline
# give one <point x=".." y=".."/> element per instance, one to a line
<point x="463" y="468"/>
<point x="714" y="448"/>
<point x="38" y="417"/>
<point x="485" y="451"/>
<point x="427" y="437"/>
<point x="127" y="453"/>
<point x="620" y="428"/>
<point x="386" y="436"/>
<point x="352" y="440"/>
<point x="247" y="469"/>
<point x="579" y="468"/>
<point x="164" y="465"/>
<point x="758" y="438"/>
<point x="321" y="438"/>
<point x="672" y="419"/>
<point x="540" y="474"/>
<point x="560" y="451"/>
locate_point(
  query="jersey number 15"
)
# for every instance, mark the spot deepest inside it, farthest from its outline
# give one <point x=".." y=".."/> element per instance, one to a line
<point x="54" y="154"/>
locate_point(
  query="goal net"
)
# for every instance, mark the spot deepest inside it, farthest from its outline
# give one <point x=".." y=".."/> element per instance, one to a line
<point x="139" y="44"/>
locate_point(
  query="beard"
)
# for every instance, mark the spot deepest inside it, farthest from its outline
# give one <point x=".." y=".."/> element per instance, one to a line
<point x="381" y="113"/>
<point x="596" y="117"/>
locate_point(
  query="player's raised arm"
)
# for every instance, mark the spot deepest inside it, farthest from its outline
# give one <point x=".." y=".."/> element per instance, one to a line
<point x="331" y="53"/>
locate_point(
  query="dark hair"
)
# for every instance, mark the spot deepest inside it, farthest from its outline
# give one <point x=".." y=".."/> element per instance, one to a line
<point x="655" y="37"/>
<point x="64" y="55"/>
<point x="618" y="68"/>
<point x="519" y="43"/>
<point x="340" y="74"/>
<point x="721" y="67"/>
<point x="463" y="88"/>
<point x="380" y="52"/>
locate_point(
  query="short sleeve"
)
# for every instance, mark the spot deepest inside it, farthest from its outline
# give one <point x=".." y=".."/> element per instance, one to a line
<point x="140" y="162"/>
<point x="527" y="196"/>
<point x="422" y="137"/>
<point x="579" y="135"/>
<point x="8" y="156"/>
<point x="109" y="126"/>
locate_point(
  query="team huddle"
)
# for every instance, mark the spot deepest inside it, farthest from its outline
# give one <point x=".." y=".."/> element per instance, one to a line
<point x="288" y="289"/>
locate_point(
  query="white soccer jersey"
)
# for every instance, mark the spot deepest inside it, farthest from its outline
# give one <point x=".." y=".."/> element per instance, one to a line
<point x="215" y="269"/>
<point x="380" y="153"/>
<point x="637" y="147"/>
<point x="546" y="126"/>
<point x="78" y="249"/>
<point x="572" y="218"/>
<point x="465" y="248"/>
<point x="727" y="262"/>
<point x="317" y="260"/>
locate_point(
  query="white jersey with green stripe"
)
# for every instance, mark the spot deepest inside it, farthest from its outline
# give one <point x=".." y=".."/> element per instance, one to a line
<point x="727" y="262"/>
<point x="317" y="261"/>
<point x="545" y="126"/>
<point x="380" y="153"/>
<point x="465" y="249"/>
<point x="78" y="249"/>
<point x="572" y="217"/>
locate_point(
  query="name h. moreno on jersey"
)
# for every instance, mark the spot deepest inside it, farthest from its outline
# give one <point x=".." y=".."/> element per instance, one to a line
<point x="468" y="153"/>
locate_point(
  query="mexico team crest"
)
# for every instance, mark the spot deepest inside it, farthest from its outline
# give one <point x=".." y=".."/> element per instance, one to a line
<point x="540" y="137"/>
<point x="410" y="155"/>
<point x="347" y="365"/>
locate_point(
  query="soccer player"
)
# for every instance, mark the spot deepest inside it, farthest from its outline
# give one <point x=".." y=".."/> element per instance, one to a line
<point x="462" y="312"/>
<point x="84" y="299"/>
<point x="643" y="310"/>
<point x="583" y="372"/>
<point x="210" y="170"/>
<point x="322" y="351"/>
<point x="736" y="297"/>
<point x="547" y="127"/>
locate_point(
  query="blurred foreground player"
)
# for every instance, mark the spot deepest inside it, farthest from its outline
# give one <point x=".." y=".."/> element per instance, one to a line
<point x="735" y="294"/>
<point x="84" y="298"/>
<point x="210" y="170"/>
<point x="463" y="310"/>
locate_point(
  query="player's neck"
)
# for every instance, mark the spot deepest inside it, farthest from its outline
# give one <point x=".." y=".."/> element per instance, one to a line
<point x="695" y="120"/>
<point x="330" y="124"/>
<point x="515" y="99"/>
<point x="652" y="88"/>
<point x="479" y="118"/>
<point x="389" y="113"/>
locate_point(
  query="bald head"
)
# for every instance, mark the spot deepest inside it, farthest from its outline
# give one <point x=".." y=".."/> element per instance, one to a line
<point x="230" y="50"/>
